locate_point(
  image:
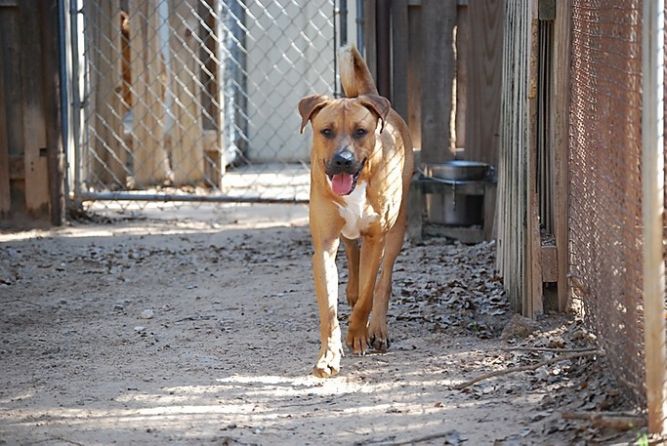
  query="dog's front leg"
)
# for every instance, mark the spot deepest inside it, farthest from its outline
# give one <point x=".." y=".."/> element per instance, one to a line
<point x="372" y="248"/>
<point x="326" y="288"/>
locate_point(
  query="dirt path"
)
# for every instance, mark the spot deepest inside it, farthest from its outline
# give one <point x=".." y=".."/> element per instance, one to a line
<point x="187" y="332"/>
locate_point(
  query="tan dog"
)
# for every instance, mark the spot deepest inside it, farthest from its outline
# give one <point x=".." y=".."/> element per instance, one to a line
<point x="361" y="165"/>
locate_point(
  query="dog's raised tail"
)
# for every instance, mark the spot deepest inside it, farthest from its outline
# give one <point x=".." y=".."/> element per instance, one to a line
<point x="354" y="73"/>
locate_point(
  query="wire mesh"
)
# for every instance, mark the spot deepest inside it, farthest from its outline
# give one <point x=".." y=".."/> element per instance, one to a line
<point x="198" y="97"/>
<point x="605" y="181"/>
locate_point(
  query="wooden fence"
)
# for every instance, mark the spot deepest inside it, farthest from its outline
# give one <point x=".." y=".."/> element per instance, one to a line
<point x="438" y="61"/>
<point x="31" y="155"/>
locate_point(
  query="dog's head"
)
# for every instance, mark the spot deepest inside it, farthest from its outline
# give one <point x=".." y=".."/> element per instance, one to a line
<point x="343" y="134"/>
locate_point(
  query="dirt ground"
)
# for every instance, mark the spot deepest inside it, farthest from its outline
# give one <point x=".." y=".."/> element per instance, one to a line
<point x="199" y="326"/>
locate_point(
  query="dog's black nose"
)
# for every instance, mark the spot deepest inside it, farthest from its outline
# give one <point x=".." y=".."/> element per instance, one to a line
<point x="343" y="159"/>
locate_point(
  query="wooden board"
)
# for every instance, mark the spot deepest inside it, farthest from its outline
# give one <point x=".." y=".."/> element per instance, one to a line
<point x="549" y="257"/>
<point x="48" y="16"/>
<point x="5" y="193"/>
<point x="484" y="71"/>
<point x="212" y="100"/>
<point x="400" y="58"/>
<point x="560" y="104"/>
<point x="519" y="254"/>
<point x="437" y="76"/>
<point x="383" y="43"/>
<point x="415" y="210"/>
<point x="370" y="37"/>
<point x="463" y="47"/>
<point x="10" y="50"/>
<point x="151" y="165"/>
<point x="414" y="79"/>
<point x="108" y="155"/>
<point x="34" y="135"/>
<point x="187" y="135"/>
<point x="533" y="279"/>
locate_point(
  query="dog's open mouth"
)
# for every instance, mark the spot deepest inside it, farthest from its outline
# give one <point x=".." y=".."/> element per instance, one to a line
<point x="343" y="183"/>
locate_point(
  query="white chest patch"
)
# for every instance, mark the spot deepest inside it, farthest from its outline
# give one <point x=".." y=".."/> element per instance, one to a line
<point x="356" y="212"/>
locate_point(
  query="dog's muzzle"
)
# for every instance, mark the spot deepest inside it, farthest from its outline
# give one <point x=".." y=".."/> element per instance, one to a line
<point x="343" y="171"/>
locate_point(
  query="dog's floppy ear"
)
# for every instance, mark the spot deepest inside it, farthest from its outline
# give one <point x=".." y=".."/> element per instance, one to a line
<point x="378" y="105"/>
<point x="310" y="105"/>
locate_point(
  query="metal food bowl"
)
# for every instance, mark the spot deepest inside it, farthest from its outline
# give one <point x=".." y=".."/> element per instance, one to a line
<point x="458" y="199"/>
<point x="458" y="170"/>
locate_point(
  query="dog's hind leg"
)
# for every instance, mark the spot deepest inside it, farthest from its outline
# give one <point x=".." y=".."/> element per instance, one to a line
<point x="352" y="254"/>
<point x="378" y="334"/>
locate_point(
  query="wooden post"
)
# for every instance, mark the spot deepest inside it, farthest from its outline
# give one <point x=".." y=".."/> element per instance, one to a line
<point x="560" y="111"/>
<point x="151" y="164"/>
<point x="34" y="135"/>
<point x="653" y="183"/>
<point x="438" y="80"/>
<point x="187" y="137"/>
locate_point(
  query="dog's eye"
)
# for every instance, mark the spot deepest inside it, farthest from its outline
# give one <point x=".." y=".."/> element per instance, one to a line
<point x="360" y="133"/>
<point x="327" y="133"/>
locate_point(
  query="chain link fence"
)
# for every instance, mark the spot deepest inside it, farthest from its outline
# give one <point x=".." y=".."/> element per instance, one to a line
<point x="606" y="183"/>
<point x="196" y="99"/>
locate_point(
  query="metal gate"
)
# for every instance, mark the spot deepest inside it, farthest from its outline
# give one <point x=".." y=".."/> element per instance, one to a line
<point x="195" y="100"/>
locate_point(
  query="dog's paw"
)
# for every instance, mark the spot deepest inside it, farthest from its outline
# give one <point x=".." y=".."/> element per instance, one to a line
<point x="357" y="339"/>
<point x="328" y="364"/>
<point x="378" y="336"/>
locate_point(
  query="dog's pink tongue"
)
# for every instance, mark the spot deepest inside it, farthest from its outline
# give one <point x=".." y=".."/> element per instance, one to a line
<point x="342" y="183"/>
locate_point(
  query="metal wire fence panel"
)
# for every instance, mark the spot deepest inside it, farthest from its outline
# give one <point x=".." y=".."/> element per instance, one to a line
<point x="605" y="180"/>
<point x="199" y="96"/>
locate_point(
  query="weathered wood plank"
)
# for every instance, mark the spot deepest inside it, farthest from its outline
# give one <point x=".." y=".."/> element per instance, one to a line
<point x="5" y="193"/>
<point x="370" y="36"/>
<point x="51" y="81"/>
<point x="34" y="135"/>
<point x="400" y="59"/>
<point x="463" y="47"/>
<point x="437" y="79"/>
<point x="108" y="156"/>
<point x="549" y="257"/>
<point x="534" y="287"/>
<point x="560" y="104"/>
<point x="518" y="234"/>
<point x="383" y="43"/>
<point x="490" y="219"/>
<point x="151" y="164"/>
<point x="212" y="101"/>
<point x="12" y="104"/>
<point x="187" y="135"/>
<point x="415" y="210"/>
<point x="484" y="79"/>
<point x="414" y="79"/>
